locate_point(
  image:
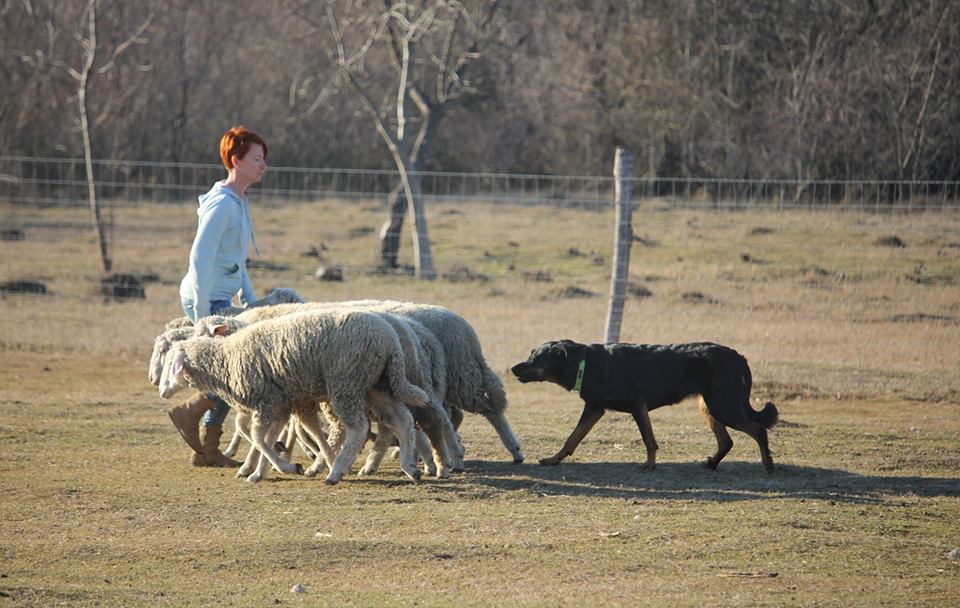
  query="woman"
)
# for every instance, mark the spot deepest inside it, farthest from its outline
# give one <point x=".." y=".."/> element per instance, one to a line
<point x="217" y="272"/>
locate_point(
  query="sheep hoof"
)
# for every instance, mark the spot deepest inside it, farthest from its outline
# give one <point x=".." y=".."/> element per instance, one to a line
<point x="457" y="469"/>
<point x="297" y="469"/>
<point x="253" y="478"/>
<point x="331" y="482"/>
<point x="518" y="459"/>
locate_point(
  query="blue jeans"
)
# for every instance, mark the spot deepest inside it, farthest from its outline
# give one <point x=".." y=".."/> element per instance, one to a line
<point x="218" y="414"/>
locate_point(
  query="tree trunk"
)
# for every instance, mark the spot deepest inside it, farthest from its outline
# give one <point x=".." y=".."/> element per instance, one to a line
<point x="421" y="240"/>
<point x="90" y="50"/>
<point x="390" y="232"/>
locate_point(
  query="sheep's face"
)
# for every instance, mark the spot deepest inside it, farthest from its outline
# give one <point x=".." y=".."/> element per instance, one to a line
<point x="176" y="374"/>
<point x="160" y="347"/>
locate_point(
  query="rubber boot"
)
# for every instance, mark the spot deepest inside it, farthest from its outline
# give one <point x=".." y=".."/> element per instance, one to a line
<point x="211" y="456"/>
<point x="186" y="417"/>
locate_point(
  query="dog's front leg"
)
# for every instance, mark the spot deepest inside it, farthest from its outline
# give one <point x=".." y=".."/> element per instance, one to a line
<point x="642" y="416"/>
<point x="589" y="418"/>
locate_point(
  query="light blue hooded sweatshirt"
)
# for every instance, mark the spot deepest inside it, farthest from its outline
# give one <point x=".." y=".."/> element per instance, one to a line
<point x="218" y="258"/>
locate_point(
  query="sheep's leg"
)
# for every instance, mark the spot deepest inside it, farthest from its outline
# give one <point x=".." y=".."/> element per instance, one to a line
<point x="263" y="463"/>
<point x="284" y="443"/>
<point x="336" y="435"/>
<point x="399" y="420"/>
<point x="425" y="453"/>
<point x="355" y="435"/>
<point x="439" y="449"/>
<point x="306" y="441"/>
<point x="260" y="433"/>
<point x="325" y="455"/>
<point x="377" y="451"/>
<point x="237" y="435"/>
<point x="499" y="422"/>
<point x="451" y="438"/>
<point x="253" y="454"/>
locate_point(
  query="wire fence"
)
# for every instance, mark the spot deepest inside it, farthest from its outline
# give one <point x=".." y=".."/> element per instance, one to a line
<point x="788" y="269"/>
<point x="52" y="181"/>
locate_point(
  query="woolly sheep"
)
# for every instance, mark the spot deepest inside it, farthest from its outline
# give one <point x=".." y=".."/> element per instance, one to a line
<point x="426" y="368"/>
<point x="270" y="368"/>
<point x="425" y="365"/>
<point x="471" y="384"/>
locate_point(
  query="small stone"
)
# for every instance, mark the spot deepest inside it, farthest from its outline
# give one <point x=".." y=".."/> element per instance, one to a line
<point x="298" y="588"/>
<point x="329" y="273"/>
<point x="954" y="555"/>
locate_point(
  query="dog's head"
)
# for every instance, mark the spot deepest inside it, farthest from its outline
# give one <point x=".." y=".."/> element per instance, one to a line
<point x="549" y="362"/>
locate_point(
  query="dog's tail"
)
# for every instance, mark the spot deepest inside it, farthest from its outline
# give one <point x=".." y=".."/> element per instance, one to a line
<point x="767" y="417"/>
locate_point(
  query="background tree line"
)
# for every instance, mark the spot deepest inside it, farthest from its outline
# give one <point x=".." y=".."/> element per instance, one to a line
<point x="810" y="89"/>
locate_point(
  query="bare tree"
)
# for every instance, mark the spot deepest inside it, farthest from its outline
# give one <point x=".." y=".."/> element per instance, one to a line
<point x="86" y="36"/>
<point x="441" y="39"/>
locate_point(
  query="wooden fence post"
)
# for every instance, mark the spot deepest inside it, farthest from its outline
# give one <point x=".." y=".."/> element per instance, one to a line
<point x="623" y="234"/>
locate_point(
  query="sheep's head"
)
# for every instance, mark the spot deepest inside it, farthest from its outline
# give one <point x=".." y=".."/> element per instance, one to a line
<point x="216" y="325"/>
<point x="176" y="373"/>
<point x="160" y="347"/>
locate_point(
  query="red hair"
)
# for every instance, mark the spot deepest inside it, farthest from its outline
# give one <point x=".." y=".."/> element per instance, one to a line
<point x="236" y="142"/>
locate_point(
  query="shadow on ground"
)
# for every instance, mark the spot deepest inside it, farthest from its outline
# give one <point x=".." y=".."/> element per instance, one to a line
<point x="689" y="481"/>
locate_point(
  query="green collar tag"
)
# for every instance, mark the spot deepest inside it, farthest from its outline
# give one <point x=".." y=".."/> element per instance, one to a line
<point x="579" y="383"/>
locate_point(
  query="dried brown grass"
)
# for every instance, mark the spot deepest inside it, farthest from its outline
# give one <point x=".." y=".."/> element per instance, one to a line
<point x="99" y="508"/>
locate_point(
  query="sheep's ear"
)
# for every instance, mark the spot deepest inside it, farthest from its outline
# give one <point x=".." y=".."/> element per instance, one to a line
<point x="220" y="329"/>
<point x="179" y="364"/>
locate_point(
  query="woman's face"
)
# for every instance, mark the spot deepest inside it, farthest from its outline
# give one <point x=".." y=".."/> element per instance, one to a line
<point x="251" y="167"/>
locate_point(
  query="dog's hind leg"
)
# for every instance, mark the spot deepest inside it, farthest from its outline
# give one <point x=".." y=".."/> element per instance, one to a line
<point x="642" y="417"/>
<point x="724" y="442"/>
<point x="588" y="419"/>
<point x="759" y="433"/>
<point x="755" y="430"/>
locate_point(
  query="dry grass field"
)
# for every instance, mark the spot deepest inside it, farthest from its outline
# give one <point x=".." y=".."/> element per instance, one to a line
<point x="856" y="340"/>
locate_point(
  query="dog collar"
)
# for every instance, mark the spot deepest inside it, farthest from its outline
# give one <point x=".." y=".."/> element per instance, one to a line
<point x="580" y="369"/>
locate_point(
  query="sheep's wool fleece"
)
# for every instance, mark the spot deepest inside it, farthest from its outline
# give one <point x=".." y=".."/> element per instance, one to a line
<point x="308" y="356"/>
<point x="470" y="383"/>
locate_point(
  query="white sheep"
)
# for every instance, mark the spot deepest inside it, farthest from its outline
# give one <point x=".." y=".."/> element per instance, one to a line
<point x="425" y="365"/>
<point x="471" y="385"/>
<point x="426" y="368"/>
<point x="273" y="367"/>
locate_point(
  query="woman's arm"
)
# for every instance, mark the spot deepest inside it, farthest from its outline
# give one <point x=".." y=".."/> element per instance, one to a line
<point x="247" y="295"/>
<point x="203" y="253"/>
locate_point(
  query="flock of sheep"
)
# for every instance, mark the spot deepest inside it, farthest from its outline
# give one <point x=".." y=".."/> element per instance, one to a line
<point x="281" y="362"/>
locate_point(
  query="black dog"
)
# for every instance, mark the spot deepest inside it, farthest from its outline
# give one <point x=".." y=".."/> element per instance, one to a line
<point x="636" y="378"/>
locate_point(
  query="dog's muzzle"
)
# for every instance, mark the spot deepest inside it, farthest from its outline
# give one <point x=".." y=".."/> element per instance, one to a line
<point x="525" y="372"/>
